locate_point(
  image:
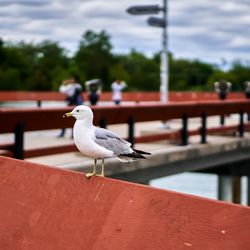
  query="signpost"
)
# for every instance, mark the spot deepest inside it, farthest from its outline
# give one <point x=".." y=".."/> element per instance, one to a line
<point x="162" y="23"/>
<point x="144" y="10"/>
<point x="157" y="22"/>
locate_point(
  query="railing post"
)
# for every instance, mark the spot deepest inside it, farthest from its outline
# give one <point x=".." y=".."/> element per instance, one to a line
<point x="224" y="188"/>
<point x="203" y="129"/>
<point x="103" y="123"/>
<point x="236" y="192"/>
<point x="39" y="103"/>
<point x="131" y="130"/>
<point x="222" y="120"/>
<point x="19" y="141"/>
<point x="184" y="131"/>
<point x="229" y="188"/>
<point x="241" y="125"/>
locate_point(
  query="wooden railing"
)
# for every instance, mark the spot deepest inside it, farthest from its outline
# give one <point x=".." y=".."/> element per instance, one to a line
<point x="19" y="121"/>
<point x="48" y="208"/>
<point x="174" y="96"/>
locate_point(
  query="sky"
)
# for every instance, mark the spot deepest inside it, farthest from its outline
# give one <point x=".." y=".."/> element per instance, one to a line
<point x="209" y="30"/>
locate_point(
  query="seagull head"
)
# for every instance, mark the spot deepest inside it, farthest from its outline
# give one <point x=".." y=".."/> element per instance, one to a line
<point x="80" y="112"/>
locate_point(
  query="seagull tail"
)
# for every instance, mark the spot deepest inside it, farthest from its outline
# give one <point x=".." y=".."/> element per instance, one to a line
<point x="133" y="156"/>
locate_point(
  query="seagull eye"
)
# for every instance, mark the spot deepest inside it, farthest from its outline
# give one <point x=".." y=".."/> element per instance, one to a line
<point x="77" y="110"/>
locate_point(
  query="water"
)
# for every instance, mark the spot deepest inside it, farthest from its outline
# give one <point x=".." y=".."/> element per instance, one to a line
<point x="204" y="185"/>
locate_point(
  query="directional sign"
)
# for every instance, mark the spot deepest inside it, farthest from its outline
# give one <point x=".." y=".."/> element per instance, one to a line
<point x="157" y="22"/>
<point x="144" y="10"/>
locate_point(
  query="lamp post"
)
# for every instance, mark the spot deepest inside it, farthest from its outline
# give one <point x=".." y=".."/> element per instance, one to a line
<point x="162" y="23"/>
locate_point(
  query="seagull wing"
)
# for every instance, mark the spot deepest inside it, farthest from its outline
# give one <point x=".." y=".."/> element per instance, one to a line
<point x="111" y="141"/>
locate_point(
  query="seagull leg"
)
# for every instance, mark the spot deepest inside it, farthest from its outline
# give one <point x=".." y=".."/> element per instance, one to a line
<point x="102" y="173"/>
<point x="88" y="175"/>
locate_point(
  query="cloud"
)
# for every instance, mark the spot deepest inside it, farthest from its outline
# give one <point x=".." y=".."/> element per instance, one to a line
<point x="23" y="2"/>
<point x="207" y="30"/>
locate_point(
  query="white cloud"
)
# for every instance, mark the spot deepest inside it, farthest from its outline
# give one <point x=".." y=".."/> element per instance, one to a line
<point x="208" y="30"/>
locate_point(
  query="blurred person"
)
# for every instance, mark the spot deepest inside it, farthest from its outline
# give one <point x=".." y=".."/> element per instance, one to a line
<point x="94" y="90"/>
<point x="247" y="94"/>
<point x="73" y="92"/>
<point x="222" y="88"/>
<point x="247" y="89"/>
<point x="117" y="86"/>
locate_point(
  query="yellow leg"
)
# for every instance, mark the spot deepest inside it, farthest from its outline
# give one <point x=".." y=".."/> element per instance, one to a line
<point x="88" y="175"/>
<point x="102" y="173"/>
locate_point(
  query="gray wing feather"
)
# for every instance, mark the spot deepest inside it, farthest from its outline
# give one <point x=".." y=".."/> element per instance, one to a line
<point x="111" y="141"/>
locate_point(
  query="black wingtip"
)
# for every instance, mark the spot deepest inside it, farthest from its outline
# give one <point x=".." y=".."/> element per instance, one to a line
<point x="134" y="155"/>
<point x="141" y="152"/>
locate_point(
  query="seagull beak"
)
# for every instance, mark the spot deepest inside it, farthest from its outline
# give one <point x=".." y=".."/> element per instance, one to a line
<point x="67" y="115"/>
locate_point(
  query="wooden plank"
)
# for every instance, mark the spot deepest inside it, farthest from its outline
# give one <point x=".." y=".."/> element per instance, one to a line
<point x="47" y="208"/>
<point x="34" y="118"/>
<point x="7" y="146"/>
<point x="31" y="96"/>
<point x="136" y="96"/>
<point x="37" y="118"/>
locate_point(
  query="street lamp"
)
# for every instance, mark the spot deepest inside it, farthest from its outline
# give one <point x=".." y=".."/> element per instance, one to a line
<point x="162" y="23"/>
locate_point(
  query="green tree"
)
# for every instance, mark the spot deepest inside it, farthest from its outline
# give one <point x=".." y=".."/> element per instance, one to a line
<point x="51" y="59"/>
<point x="43" y="66"/>
<point x="241" y="74"/>
<point x="189" y="75"/>
<point x="142" y="72"/>
<point x="26" y="66"/>
<point x="93" y="58"/>
<point x="13" y="67"/>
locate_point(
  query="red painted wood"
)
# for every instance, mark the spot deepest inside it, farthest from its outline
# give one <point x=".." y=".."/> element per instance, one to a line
<point x="31" y="96"/>
<point x="7" y="146"/>
<point x="138" y="96"/>
<point x="51" y="118"/>
<point x="47" y="208"/>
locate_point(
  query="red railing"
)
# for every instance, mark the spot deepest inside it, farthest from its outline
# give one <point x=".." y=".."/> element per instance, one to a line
<point x="48" y="208"/>
<point x="174" y="96"/>
<point x="19" y="121"/>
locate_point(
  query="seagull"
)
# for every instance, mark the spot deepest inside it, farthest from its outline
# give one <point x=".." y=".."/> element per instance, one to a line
<point x="100" y="143"/>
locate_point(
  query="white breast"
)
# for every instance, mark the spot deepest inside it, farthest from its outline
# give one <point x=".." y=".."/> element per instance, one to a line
<point x="84" y="140"/>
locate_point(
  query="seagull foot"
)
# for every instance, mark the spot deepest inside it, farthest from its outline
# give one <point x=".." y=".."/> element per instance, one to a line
<point x="88" y="175"/>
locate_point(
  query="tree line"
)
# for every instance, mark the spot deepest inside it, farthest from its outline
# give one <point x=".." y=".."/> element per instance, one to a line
<point x="43" y="66"/>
